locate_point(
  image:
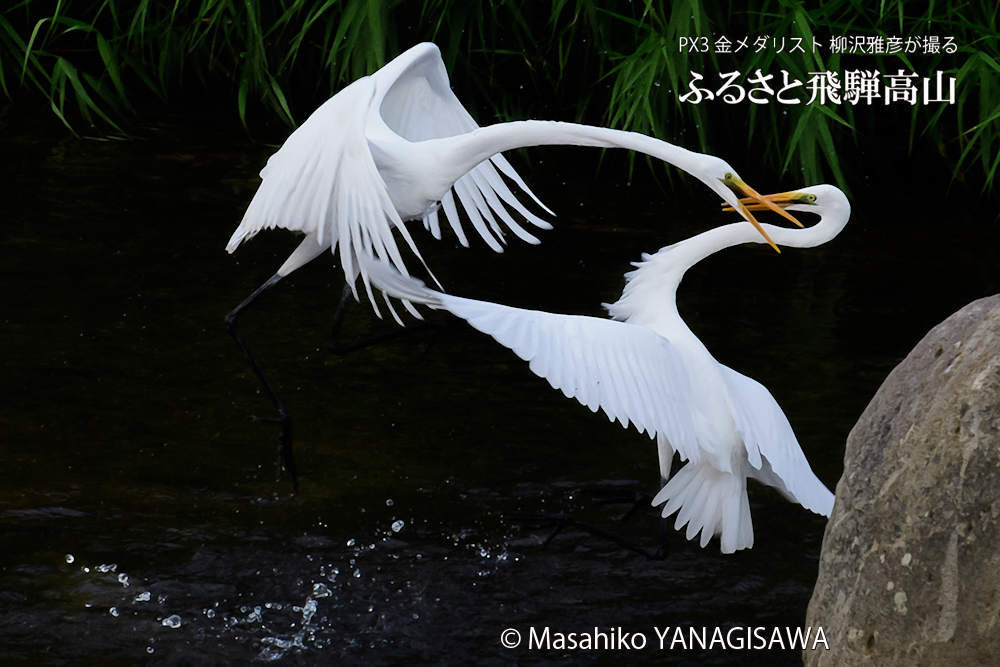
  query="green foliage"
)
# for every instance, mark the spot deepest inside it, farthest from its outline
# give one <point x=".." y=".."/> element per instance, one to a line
<point x="650" y="79"/>
<point x="613" y="61"/>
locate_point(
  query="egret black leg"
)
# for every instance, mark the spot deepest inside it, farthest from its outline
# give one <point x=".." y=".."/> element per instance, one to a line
<point x="664" y="520"/>
<point x="286" y="460"/>
<point x="339" y="347"/>
<point x="338" y="319"/>
<point x="562" y="521"/>
<point x="639" y="500"/>
<point x="606" y="496"/>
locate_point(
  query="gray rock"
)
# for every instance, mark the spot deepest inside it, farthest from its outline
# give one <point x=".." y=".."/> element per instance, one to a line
<point x="910" y="568"/>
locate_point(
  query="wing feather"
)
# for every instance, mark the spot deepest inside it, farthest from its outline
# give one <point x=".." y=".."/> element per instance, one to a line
<point x="419" y="105"/>
<point x="324" y="182"/>
<point x="491" y="198"/>
<point x="630" y="371"/>
<point x="767" y="434"/>
<point x="465" y="196"/>
<point x="599" y="362"/>
<point x="451" y="212"/>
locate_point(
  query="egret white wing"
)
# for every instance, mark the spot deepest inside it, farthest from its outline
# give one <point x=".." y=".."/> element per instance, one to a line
<point x="631" y="372"/>
<point x="324" y="182"/>
<point x="766" y="433"/>
<point x="419" y="105"/>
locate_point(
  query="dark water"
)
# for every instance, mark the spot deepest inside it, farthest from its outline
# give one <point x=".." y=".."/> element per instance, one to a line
<point x="126" y="447"/>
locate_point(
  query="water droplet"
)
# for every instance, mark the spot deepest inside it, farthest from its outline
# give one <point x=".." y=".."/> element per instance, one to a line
<point x="149" y="649"/>
<point x="123" y="580"/>
<point x="69" y="558"/>
<point x="350" y="542"/>
<point x="142" y="597"/>
<point x="320" y="591"/>
<point x="398" y="526"/>
<point x="308" y="609"/>
<point x="113" y="611"/>
<point x="388" y="503"/>
<point x="357" y="574"/>
<point x="172" y="621"/>
<point x="210" y="613"/>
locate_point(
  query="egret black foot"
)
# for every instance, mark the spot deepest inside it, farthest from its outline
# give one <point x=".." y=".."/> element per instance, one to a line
<point x="286" y="457"/>
<point x="563" y="521"/>
<point x="637" y="499"/>
<point x="613" y="496"/>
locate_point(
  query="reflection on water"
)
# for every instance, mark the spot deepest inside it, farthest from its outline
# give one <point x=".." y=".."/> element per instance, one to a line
<point x="139" y="516"/>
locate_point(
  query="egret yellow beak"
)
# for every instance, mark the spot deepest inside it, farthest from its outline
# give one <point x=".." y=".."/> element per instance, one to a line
<point x="756" y="202"/>
<point x="776" y="202"/>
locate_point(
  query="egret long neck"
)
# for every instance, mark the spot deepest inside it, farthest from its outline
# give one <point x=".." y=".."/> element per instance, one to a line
<point x="649" y="297"/>
<point x="691" y="251"/>
<point x="465" y="151"/>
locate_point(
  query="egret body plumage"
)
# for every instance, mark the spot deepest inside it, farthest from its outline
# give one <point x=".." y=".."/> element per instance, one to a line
<point x="645" y="366"/>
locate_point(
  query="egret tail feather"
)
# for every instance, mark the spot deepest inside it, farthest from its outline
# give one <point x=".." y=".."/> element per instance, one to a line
<point x="711" y="502"/>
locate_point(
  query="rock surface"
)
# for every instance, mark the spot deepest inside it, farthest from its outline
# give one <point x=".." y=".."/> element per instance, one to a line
<point x="910" y="567"/>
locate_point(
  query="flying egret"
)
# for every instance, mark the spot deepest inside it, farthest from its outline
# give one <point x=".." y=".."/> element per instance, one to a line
<point x="390" y="148"/>
<point x="646" y="366"/>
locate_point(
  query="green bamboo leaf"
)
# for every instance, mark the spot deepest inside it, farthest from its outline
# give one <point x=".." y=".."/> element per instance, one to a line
<point x="826" y="143"/>
<point x="84" y="101"/>
<point x="990" y="175"/>
<point x="241" y="99"/>
<point x="830" y="113"/>
<point x="282" y="103"/>
<point x="30" y="45"/>
<point x="793" y="141"/>
<point x="144" y="76"/>
<point x="111" y="65"/>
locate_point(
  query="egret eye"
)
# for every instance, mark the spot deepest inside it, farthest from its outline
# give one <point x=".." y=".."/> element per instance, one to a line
<point x="811" y="199"/>
<point x="729" y="175"/>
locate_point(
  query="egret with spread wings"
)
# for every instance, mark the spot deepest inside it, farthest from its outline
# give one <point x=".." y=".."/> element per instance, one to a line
<point x="645" y="366"/>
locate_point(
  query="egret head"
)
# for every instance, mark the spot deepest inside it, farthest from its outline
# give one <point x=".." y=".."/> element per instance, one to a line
<point x="722" y="178"/>
<point x="819" y="199"/>
<point x="826" y="201"/>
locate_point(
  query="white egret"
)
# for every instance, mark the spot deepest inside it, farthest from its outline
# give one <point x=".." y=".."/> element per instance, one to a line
<point x="646" y="366"/>
<point x="391" y="147"/>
